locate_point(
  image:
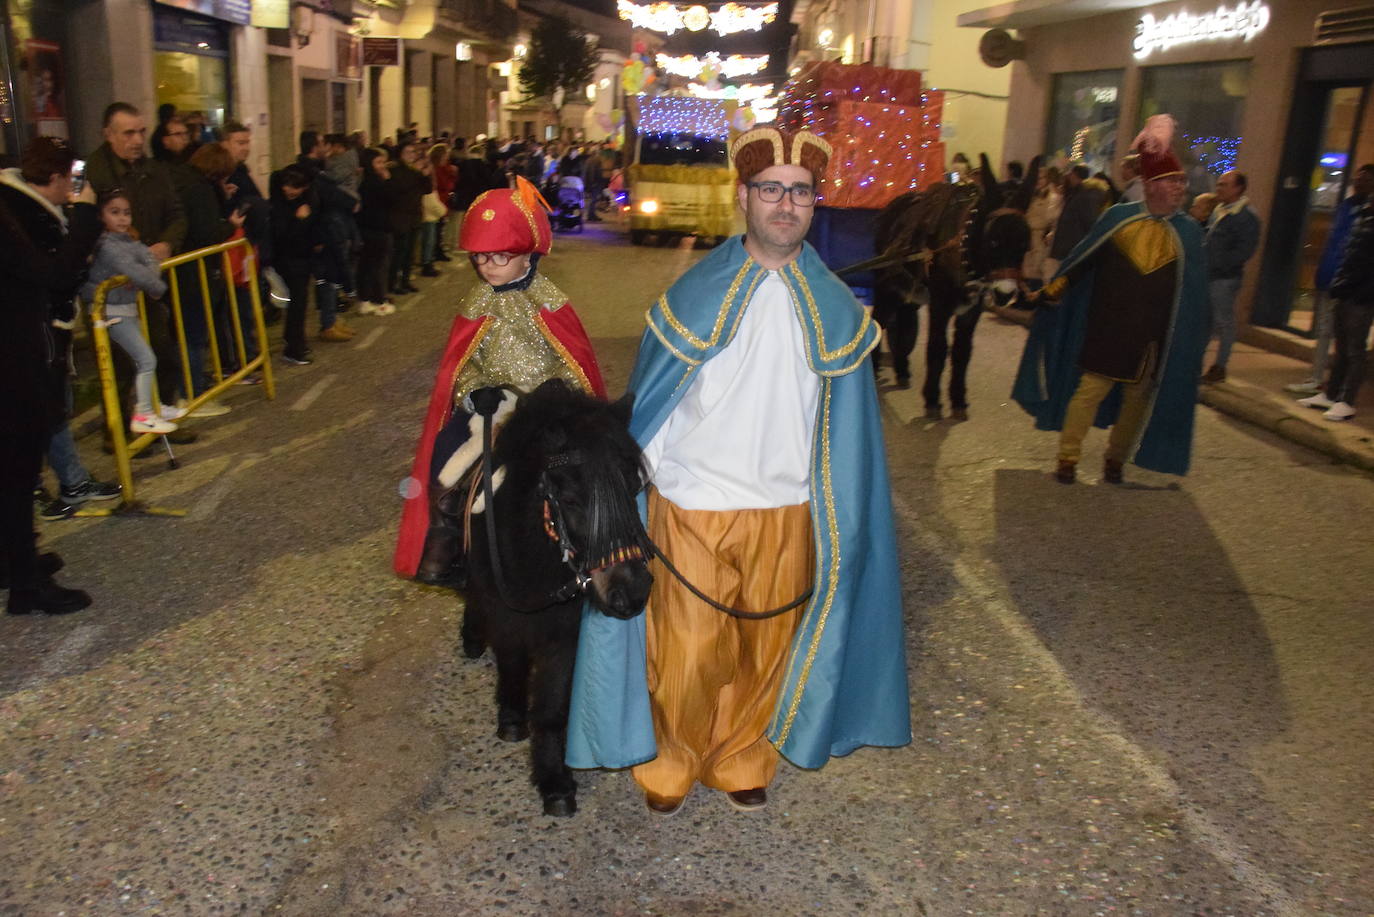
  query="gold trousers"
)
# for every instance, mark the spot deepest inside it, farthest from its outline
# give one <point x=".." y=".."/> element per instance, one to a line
<point x="1078" y="418"/>
<point x="714" y="679"/>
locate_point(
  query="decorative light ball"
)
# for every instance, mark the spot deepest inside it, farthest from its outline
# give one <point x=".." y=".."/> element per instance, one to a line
<point x="709" y="72"/>
<point x="696" y="18"/>
<point x="744" y="119"/>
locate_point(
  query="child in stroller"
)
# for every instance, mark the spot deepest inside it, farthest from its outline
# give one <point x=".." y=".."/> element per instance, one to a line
<point x="568" y="214"/>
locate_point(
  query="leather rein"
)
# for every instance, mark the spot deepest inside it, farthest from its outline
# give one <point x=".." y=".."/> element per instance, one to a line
<point x="557" y="530"/>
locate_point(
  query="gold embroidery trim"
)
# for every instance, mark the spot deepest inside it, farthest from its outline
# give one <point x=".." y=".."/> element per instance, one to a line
<point x="1148" y="244"/>
<point x="453" y="380"/>
<point x="730" y="294"/>
<point x="834" y="573"/>
<point x="760" y="133"/>
<point x="567" y="357"/>
<point x="662" y="339"/>
<point x="840" y="352"/>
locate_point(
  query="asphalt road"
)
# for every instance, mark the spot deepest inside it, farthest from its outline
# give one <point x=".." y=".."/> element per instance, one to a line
<point x="1152" y="699"/>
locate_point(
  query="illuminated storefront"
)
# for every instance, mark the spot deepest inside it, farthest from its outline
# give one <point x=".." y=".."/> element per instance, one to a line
<point x="1281" y="90"/>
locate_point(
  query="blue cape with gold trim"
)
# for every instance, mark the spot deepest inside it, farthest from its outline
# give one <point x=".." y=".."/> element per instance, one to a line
<point x="1048" y="374"/>
<point x="845" y="682"/>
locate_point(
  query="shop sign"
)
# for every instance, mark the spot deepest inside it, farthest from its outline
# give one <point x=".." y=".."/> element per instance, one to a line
<point x="381" y="52"/>
<point x="237" y="11"/>
<point x="272" y="14"/>
<point x="348" y="56"/>
<point x="1242" y="21"/>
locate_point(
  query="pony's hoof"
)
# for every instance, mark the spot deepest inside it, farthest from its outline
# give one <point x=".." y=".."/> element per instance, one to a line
<point x="560" y="806"/>
<point x="473" y="649"/>
<point x="512" y="732"/>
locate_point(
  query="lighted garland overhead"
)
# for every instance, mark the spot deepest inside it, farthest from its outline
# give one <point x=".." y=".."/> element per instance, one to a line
<point x="732" y="67"/>
<point x="725" y="19"/>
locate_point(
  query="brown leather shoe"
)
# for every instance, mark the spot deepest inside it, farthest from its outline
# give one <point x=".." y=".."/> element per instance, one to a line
<point x="667" y="806"/>
<point x="748" y="800"/>
<point x="1066" y="473"/>
<point x="1111" y="471"/>
<point x="1214" y="375"/>
<point x="334" y="336"/>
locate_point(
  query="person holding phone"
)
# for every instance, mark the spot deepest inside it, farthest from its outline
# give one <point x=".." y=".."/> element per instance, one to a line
<point x="43" y="253"/>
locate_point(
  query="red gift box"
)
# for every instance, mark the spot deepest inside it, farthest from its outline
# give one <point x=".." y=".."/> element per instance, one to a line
<point x="831" y="81"/>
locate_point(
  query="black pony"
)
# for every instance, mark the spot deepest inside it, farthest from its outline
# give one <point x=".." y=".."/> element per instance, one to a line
<point x="565" y="473"/>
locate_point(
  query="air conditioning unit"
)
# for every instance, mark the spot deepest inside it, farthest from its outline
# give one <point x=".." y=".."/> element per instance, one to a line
<point x="1353" y="24"/>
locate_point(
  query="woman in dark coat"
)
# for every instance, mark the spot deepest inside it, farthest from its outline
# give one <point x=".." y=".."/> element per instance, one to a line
<point x="43" y="255"/>
<point x="378" y="196"/>
<point x="208" y="222"/>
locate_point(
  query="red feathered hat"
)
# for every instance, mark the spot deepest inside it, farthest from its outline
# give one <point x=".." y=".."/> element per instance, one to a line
<point x="507" y="220"/>
<point x="1153" y="143"/>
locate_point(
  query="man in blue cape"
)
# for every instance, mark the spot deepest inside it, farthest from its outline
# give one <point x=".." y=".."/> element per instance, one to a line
<point x="759" y="418"/>
<point x="1123" y="348"/>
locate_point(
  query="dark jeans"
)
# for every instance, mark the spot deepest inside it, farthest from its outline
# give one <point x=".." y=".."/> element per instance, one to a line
<point x="21" y="459"/>
<point x="1353" y="320"/>
<point x="373" y="265"/>
<point x="402" y="257"/>
<point x="296" y="273"/>
<point x="945" y="299"/>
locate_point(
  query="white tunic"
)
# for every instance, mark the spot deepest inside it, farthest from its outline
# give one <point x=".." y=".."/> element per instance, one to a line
<point x="740" y="438"/>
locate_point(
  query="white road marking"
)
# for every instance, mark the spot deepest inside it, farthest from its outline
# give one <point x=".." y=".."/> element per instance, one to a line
<point x="370" y="339"/>
<point x="988" y="594"/>
<point x="57" y="660"/>
<point x="314" y="392"/>
<point x="224" y="483"/>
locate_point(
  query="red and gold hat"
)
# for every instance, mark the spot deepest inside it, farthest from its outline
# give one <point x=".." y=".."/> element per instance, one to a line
<point x="1154" y="145"/>
<point x="765" y="147"/>
<point x="506" y="220"/>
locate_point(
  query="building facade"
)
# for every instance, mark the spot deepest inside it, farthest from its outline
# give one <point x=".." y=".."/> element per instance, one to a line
<point x="1281" y="91"/>
<point x="278" y="66"/>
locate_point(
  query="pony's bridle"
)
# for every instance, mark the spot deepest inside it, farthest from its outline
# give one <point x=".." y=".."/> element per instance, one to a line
<point x="555" y="526"/>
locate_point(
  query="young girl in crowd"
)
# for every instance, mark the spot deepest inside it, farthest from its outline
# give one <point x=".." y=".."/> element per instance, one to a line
<point x="120" y="252"/>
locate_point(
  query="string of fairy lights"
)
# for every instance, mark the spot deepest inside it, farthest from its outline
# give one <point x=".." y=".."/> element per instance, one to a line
<point x="726" y="19"/>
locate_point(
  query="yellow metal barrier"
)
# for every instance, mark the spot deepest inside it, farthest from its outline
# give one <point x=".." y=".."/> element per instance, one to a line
<point x="124" y="448"/>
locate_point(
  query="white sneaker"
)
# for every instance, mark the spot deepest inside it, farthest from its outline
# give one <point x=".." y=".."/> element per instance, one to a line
<point x="151" y="423"/>
<point x="1303" y="388"/>
<point x="385" y="308"/>
<point x="1319" y="401"/>
<point x="171" y="412"/>
<point x="1340" y="411"/>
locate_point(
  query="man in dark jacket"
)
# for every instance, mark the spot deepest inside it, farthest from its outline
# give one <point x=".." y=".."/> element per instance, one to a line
<point x="1353" y="291"/>
<point x="1233" y="233"/>
<point x="43" y="255"/>
<point x="1083" y="199"/>
<point x="410" y="187"/>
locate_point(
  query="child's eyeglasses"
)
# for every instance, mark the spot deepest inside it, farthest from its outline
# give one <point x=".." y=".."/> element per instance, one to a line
<point x="500" y="259"/>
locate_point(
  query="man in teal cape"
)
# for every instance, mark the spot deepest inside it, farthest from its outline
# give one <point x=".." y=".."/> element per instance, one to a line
<point x="1123" y="348"/>
<point x="843" y="673"/>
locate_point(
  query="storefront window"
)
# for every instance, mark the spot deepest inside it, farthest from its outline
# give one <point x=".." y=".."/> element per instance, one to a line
<point x="1207" y="101"/>
<point x="1083" y="117"/>
<point x="191" y="63"/>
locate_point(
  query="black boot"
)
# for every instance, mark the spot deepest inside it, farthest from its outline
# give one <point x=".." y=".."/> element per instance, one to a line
<point x="46" y="598"/>
<point x="442" y="563"/>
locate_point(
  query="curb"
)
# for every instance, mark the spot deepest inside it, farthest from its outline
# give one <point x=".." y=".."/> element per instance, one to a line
<point x="1285" y="418"/>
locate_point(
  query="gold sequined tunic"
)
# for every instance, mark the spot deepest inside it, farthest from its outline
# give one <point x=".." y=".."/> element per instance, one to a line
<point x="515" y="348"/>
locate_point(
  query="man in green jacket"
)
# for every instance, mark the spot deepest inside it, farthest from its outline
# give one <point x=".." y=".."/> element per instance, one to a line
<point x="122" y="162"/>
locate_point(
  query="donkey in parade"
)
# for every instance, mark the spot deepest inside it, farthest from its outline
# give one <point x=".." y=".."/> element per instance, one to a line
<point x="552" y="522"/>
